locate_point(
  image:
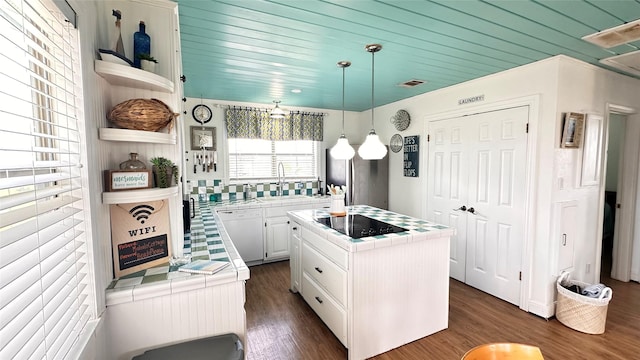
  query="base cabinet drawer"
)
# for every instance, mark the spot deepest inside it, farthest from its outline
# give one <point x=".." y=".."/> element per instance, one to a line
<point x="327" y="309"/>
<point x="327" y="274"/>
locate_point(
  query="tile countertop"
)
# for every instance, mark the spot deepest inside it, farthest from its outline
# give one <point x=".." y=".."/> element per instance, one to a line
<point x="207" y="240"/>
<point x="417" y="229"/>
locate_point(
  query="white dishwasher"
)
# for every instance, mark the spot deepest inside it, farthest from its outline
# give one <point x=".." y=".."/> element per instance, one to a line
<point x="244" y="227"/>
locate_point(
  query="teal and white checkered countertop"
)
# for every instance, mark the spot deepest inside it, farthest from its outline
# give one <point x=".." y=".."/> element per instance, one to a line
<point x="417" y="229"/>
<point x="204" y="241"/>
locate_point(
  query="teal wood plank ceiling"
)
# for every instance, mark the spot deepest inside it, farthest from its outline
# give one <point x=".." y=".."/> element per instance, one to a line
<point x="258" y="51"/>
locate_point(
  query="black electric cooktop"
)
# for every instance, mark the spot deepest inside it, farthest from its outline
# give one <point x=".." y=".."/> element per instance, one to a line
<point x="358" y="226"/>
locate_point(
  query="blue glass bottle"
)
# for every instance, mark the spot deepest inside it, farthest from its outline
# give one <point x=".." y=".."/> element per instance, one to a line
<point x="141" y="44"/>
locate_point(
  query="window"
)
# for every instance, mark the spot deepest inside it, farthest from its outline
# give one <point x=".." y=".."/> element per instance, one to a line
<point x="257" y="144"/>
<point x="46" y="296"/>
<point x="256" y="159"/>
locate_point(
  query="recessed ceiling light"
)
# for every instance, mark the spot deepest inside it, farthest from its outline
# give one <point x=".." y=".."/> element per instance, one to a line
<point x="412" y="83"/>
<point x="615" y="36"/>
<point x="296" y="91"/>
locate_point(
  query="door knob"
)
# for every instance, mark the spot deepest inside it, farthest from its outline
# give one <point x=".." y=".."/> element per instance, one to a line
<point x="463" y="208"/>
<point x="472" y="210"/>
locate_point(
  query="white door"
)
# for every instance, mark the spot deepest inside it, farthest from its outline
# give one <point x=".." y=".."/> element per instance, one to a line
<point x="478" y="162"/>
<point x="448" y="190"/>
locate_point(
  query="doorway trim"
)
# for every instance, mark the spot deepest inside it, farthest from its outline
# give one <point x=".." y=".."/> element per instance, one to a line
<point x="624" y="233"/>
<point x="533" y="104"/>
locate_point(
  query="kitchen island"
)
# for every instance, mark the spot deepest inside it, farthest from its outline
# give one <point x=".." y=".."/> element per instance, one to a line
<point x="376" y="292"/>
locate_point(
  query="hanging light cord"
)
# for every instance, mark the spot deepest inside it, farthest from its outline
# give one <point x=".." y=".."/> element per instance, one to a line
<point x="373" y="54"/>
<point x="343" y="100"/>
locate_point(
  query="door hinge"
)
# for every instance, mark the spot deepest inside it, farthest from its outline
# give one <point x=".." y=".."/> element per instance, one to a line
<point x="527" y="131"/>
<point x="265" y="224"/>
<point x="520" y="276"/>
<point x="428" y="137"/>
<point x="617" y="206"/>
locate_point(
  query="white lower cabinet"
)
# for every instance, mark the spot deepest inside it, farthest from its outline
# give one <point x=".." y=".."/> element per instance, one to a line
<point x="327" y="274"/>
<point x="324" y="281"/>
<point x="276" y="238"/>
<point x="331" y="313"/>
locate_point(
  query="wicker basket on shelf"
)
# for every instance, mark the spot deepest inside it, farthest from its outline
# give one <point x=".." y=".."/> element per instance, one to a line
<point x="142" y="114"/>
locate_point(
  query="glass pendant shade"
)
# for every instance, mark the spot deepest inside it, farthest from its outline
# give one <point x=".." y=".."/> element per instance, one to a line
<point x="342" y="150"/>
<point x="373" y="148"/>
<point x="277" y="112"/>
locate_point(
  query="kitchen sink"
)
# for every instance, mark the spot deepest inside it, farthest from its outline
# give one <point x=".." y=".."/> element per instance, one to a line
<point x="283" y="198"/>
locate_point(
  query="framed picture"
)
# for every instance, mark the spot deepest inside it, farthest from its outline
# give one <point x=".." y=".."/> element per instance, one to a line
<point x="572" y="130"/>
<point x="203" y="138"/>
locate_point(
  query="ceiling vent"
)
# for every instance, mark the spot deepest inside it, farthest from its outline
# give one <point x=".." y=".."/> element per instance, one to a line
<point x="629" y="62"/>
<point x="618" y="35"/>
<point x="411" y="83"/>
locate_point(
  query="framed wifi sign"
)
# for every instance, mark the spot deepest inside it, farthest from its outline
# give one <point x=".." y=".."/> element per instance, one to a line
<point x="140" y="236"/>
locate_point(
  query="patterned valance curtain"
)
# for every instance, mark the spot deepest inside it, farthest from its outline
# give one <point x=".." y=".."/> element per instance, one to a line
<point x="252" y="123"/>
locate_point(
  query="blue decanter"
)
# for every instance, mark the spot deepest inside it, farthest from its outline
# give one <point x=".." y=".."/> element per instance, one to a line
<point x="141" y="44"/>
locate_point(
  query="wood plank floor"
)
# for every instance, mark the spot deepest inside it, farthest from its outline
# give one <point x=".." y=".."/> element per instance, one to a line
<point x="280" y="325"/>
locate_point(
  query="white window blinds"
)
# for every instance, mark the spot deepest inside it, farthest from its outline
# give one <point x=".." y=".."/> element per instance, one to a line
<point x="45" y="295"/>
<point x="255" y="159"/>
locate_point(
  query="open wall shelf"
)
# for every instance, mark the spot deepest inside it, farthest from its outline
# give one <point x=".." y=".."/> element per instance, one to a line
<point x="122" y="75"/>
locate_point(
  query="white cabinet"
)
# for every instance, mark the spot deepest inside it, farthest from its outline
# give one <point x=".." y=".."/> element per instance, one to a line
<point x="244" y="227"/>
<point x="295" y="244"/>
<point x="324" y="283"/>
<point x="276" y="238"/>
<point x="331" y="313"/>
<point x="566" y="233"/>
<point x="276" y="229"/>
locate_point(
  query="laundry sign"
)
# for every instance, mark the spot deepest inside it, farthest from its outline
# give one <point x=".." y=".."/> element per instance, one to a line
<point x="140" y="236"/>
<point x="411" y="155"/>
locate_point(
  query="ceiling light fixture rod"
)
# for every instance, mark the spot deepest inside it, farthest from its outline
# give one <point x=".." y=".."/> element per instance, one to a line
<point x="343" y="65"/>
<point x="372" y="148"/>
<point x="342" y="150"/>
<point x="373" y="49"/>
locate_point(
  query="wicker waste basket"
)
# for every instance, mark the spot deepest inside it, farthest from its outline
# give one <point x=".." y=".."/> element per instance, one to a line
<point x="579" y="312"/>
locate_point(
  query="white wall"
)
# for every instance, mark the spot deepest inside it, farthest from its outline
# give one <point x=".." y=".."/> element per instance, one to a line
<point x="95" y="94"/>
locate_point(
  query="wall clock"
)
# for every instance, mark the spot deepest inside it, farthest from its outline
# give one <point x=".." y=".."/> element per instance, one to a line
<point x="202" y="113"/>
<point x="396" y="143"/>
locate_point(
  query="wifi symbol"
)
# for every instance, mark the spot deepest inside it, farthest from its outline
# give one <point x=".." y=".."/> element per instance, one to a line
<point x="141" y="212"/>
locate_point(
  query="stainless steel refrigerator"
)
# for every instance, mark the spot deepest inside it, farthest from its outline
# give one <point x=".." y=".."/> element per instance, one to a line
<point x="367" y="181"/>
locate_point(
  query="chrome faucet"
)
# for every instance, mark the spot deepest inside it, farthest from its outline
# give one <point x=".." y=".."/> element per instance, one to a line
<point x="280" y="179"/>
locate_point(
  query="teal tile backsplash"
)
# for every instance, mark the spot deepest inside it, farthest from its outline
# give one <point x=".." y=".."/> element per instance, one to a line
<point x="215" y="190"/>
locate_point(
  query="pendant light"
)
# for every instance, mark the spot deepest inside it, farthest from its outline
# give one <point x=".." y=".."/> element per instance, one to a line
<point x="342" y="150"/>
<point x="277" y="112"/>
<point x="373" y="148"/>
